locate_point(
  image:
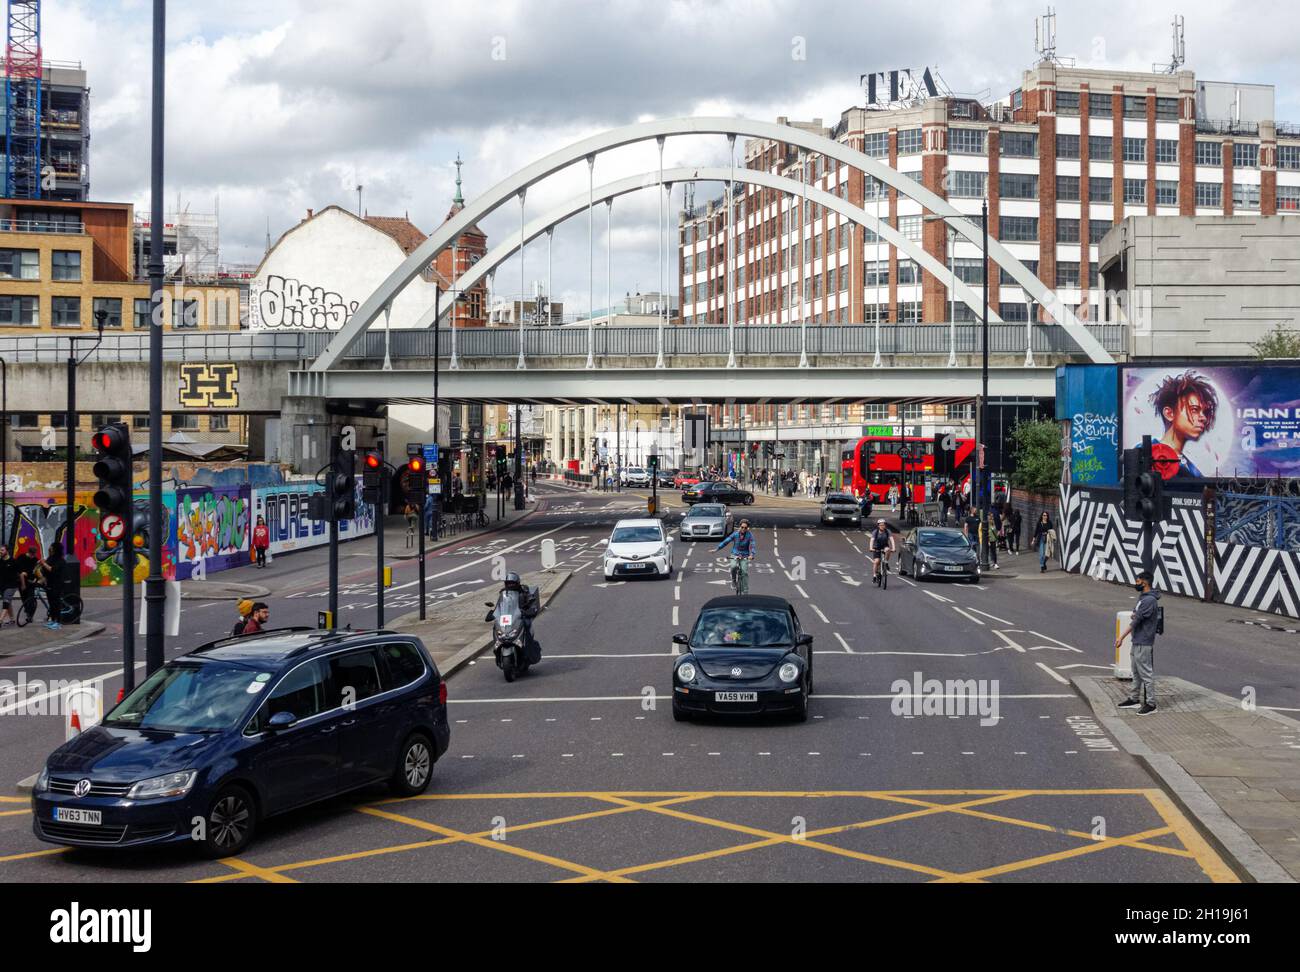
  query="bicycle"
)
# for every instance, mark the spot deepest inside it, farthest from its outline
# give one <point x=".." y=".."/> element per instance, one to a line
<point x="880" y="570"/>
<point x="736" y="573"/>
<point x="69" y="613"/>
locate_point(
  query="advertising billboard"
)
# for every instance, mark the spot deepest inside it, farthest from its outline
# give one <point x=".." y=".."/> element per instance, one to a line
<point x="1215" y="421"/>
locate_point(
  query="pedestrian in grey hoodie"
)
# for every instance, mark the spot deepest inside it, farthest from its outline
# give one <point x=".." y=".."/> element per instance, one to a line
<point x="1146" y="623"/>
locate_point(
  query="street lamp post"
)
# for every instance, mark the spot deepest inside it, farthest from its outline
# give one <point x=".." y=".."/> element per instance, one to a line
<point x="984" y="399"/>
<point x="155" y="594"/>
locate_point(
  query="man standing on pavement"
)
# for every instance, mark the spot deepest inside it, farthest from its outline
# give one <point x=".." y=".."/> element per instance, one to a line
<point x="261" y="541"/>
<point x="8" y="585"/>
<point x="1147" y="621"/>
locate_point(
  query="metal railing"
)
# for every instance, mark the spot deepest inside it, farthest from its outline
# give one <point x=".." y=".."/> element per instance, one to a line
<point x="40" y="226"/>
<point x="607" y="343"/>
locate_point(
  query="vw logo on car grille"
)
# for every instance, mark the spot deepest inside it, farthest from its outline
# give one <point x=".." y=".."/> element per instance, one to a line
<point x="735" y="673"/>
<point x="82" y="788"/>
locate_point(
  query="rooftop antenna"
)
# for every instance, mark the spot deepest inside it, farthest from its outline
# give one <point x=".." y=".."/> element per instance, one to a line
<point x="1045" y="35"/>
<point x="359" y="188"/>
<point x="1179" y="49"/>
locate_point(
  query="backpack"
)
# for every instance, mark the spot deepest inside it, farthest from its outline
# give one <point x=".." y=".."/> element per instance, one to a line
<point x="238" y="629"/>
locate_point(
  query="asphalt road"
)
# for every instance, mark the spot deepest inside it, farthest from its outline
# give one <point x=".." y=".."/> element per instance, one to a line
<point x="577" y="771"/>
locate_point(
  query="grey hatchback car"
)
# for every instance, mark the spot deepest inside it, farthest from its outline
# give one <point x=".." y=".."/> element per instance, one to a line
<point x="841" y="508"/>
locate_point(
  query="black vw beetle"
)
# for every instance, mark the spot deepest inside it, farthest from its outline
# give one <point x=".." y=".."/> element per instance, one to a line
<point x="745" y="654"/>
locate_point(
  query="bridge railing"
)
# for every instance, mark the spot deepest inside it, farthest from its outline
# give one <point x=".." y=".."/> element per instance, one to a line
<point x="606" y="343"/>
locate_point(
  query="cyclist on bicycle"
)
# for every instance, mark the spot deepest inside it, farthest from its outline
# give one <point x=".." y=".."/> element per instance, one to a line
<point x="742" y="550"/>
<point x="882" y="542"/>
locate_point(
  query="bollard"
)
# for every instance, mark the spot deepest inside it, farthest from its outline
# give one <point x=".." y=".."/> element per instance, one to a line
<point x="1123" y="668"/>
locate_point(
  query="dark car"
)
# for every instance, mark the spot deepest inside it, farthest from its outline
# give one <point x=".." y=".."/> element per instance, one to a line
<point x="938" y="552"/>
<point x="745" y="654"/>
<point x="666" y="478"/>
<point x="719" y="492"/>
<point x="231" y="733"/>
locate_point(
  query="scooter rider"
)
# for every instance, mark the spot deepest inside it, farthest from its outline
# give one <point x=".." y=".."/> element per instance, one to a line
<point x="530" y="605"/>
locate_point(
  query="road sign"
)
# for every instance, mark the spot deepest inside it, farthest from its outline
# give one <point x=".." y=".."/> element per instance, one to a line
<point x="112" y="527"/>
<point x="431" y="454"/>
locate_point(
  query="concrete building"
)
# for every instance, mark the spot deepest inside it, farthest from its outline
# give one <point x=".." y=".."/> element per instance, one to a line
<point x="1201" y="286"/>
<point x="54" y="163"/>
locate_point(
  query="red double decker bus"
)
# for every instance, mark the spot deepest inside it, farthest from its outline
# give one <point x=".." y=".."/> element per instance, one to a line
<point x="876" y="462"/>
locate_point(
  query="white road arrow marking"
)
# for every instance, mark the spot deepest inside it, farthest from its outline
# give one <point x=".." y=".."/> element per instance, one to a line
<point x="850" y="581"/>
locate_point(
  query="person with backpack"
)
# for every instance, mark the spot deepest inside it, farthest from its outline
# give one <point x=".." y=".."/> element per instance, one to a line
<point x="1146" y="621"/>
<point x="245" y="607"/>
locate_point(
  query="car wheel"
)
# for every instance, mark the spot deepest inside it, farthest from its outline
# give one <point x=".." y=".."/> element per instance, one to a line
<point x="749" y="500"/>
<point x="229" y="823"/>
<point x="680" y="714"/>
<point x="801" y="713"/>
<point x="414" y="766"/>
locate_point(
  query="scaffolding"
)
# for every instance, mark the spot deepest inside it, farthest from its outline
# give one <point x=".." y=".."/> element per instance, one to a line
<point x="23" y="71"/>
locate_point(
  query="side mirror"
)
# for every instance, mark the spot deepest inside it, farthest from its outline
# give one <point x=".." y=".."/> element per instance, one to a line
<point x="804" y="639"/>
<point x="681" y="639"/>
<point x="281" y="720"/>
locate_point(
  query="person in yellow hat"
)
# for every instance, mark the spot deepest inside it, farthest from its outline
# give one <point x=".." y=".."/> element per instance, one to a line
<point x="245" y="609"/>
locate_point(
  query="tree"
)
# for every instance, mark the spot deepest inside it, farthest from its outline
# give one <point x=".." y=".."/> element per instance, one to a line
<point x="1037" y="449"/>
<point x="1281" y="342"/>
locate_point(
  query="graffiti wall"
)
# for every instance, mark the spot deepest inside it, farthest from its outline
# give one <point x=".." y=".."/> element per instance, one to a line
<point x="1087" y="402"/>
<point x="209" y="523"/>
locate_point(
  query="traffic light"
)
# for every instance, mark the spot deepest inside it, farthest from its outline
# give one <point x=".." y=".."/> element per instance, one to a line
<point x="501" y="460"/>
<point x="372" y="478"/>
<point x="654" y="462"/>
<point x="341" y="486"/>
<point x="417" y="481"/>
<point x="113" y="470"/>
<point x="1144" y="487"/>
<point x="769" y="449"/>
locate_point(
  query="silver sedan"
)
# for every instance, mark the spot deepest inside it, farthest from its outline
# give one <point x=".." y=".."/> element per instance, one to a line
<point x="706" y="520"/>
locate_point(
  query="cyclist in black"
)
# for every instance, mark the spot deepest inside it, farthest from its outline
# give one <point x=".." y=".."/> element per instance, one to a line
<point x="882" y="542"/>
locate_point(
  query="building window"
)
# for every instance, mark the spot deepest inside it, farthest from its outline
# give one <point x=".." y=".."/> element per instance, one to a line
<point x="1018" y="229"/>
<point x="98" y="420"/>
<point x="20" y="265"/>
<point x="876" y="145"/>
<point x="66" y="264"/>
<point x="1067" y="146"/>
<point x="875" y="273"/>
<point x="1100" y="147"/>
<point x="1135" y="106"/>
<point x="966" y="141"/>
<point x="219" y="312"/>
<point x="1009" y="281"/>
<point x="143" y="310"/>
<point x="1015" y="185"/>
<point x="909" y="141"/>
<point x="1014" y="312"/>
<point x="140" y="422"/>
<point x="1166" y="109"/>
<point x="111" y="308"/>
<point x="1100" y="104"/>
<point x="1166" y="192"/>
<point x="1067" y="231"/>
<point x="1067" y="274"/>
<point x="1097" y="228"/>
<point x="1067" y="102"/>
<point x="1245" y="155"/>
<point x="184" y="421"/>
<point x="66" y="311"/>
<point x="1067" y="188"/>
<point x="875" y="413"/>
<point x="1135" y="150"/>
<point x="24" y="420"/>
<point x="1022" y="145"/>
<point x="966" y="185"/>
<point x="1245" y="196"/>
<point x="969" y="270"/>
<point x="185" y="313"/>
<point x="908" y="271"/>
<point x="910" y="227"/>
<point x="18" y="310"/>
<point x="1100" y="189"/>
<point x="1209" y="153"/>
<point x="1288" y="199"/>
<point x="1135" y="191"/>
<point x="1167" y="150"/>
<point x="912" y="411"/>
<point x="1092" y="278"/>
<point x="873" y="309"/>
<point x="960" y="412"/>
<point x="218" y="423"/>
<point x="1209" y="194"/>
<point x="1288" y="156"/>
<point x="909" y="312"/>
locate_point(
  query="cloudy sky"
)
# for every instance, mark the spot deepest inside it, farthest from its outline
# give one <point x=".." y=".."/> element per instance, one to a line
<point x="277" y="106"/>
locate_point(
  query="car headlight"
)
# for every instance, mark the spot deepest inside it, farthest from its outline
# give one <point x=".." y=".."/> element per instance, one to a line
<point x="43" y="781"/>
<point x="171" y="785"/>
<point x="788" y="672"/>
<point x="686" y="672"/>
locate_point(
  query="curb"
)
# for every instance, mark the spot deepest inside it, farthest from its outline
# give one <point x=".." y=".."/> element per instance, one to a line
<point x="229" y="592"/>
<point x="88" y="629"/>
<point x="466" y="655"/>
<point x="1246" y="858"/>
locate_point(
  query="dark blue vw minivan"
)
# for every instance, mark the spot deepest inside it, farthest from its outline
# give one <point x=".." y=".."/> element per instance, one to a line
<point x="233" y="732"/>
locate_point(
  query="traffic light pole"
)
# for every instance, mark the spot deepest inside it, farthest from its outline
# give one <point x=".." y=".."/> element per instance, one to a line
<point x="420" y="558"/>
<point x="155" y="594"/>
<point x="519" y="462"/>
<point x="334" y="534"/>
<point x="379" y="544"/>
<point x="128" y="612"/>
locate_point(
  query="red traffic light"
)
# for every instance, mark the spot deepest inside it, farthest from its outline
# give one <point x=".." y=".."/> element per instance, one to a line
<point x="105" y="441"/>
<point x="415" y="464"/>
<point x="373" y="461"/>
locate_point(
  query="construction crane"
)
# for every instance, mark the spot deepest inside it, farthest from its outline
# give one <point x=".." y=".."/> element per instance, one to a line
<point x="23" y="100"/>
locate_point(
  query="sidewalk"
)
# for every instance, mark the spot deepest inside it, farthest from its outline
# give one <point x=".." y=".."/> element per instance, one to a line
<point x="37" y="637"/>
<point x="1235" y="771"/>
<point x="454" y="631"/>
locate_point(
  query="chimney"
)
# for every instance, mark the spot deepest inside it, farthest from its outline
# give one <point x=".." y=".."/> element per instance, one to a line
<point x="309" y="214"/>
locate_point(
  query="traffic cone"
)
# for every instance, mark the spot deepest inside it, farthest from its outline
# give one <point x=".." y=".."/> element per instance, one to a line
<point x="76" y="721"/>
<point x="121" y="693"/>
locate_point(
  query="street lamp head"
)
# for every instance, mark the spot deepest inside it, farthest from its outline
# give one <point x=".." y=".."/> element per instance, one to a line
<point x="100" y="317"/>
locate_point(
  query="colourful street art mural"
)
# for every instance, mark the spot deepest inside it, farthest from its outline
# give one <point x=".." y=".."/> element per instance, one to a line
<point x="211" y="523"/>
